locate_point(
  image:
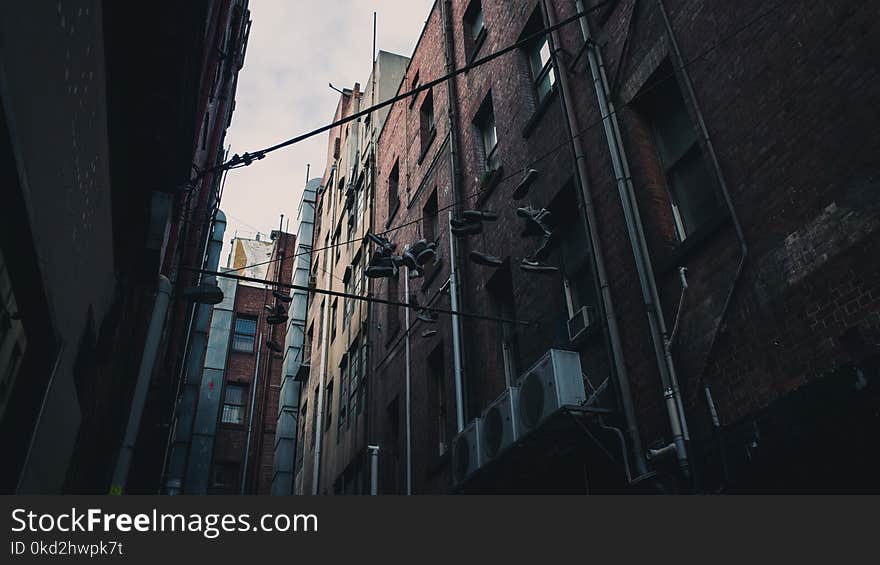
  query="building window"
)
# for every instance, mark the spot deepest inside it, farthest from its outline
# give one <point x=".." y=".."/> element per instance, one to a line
<point x="543" y="74"/>
<point x="393" y="190"/>
<point x="414" y="85"/>
<point x="337" y="239"/>
<point x="245" y="332"/>
<point x="233" y="403"/>
<point x="303" y="416"/>
<point x="577" y="265"/>
<point x="427" y="128"/>
<point x="314" y="416"/>
<point x="692" y="189"/>
<point x="307" y="345"/>
<point x="500" y="289"/>
<point x="343" y="396"/>
<point x="328" y="406"/>
<point x="539" y="58"/>
<point x="333" y="319"/>
<point x="431" y="218"/>
<point x="224" y="477"/>
<point x="437" y="382"/>
<point x="485" y="124"/>
<point x="354" y="374"/>
<point x="474" y="28"/>
<point x="392" y="320"/>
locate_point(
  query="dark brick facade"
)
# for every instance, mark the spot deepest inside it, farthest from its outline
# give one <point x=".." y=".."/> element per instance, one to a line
<point x="231" y="439"/>
<point x="789" y="100"/>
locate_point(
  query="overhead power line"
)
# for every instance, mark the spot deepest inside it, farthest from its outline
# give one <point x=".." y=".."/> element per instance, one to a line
<point x="568" y="139"/>
<point x="362" y="298"/>
<point x="248" y="158"/>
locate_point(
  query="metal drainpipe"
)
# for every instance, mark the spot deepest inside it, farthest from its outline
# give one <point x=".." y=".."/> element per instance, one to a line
<point x="196" y="341"/>
<point x="456" y="336"/>
<point x="635" y="230"/>
<point x="325" y="346"/>
<point x="247" y="444"/>
<point x="713" y="156"/>
<point x="458" y="199"/>
<point x="319" y="420"/>
<point x="601" y="272"/>
<point x="145" y="373"/>
<point x="408" y="393"/>
<point x="374" y="469"/>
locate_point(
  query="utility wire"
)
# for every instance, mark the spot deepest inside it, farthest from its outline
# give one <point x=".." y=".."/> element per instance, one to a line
<point x="361" y="298"/>
<point x="583" y="131"/>
<point x="248" y="158"/>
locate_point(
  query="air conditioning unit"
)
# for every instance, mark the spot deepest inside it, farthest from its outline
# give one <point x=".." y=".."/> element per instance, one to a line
<point x="498" y="425"/>
<point x="582" y="321"/>
<point x="553" y="382"/>
<point x="466" y="456"/>
<point x="313" y="281"/>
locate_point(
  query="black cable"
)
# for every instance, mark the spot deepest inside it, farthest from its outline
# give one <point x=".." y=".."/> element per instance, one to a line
<point x="359" y="297"/>
<point x="248" y="158"/>
<point x="568" y="140"/>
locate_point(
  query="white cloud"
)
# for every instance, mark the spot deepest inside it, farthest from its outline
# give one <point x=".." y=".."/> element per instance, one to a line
<point x="295" y="49"/>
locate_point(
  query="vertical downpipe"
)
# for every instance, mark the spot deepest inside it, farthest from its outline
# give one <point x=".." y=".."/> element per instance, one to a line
<point x="250" y="430"/>
<point x="408" y="392"/>
<point x="145" y="373"/>
<point x="458" y="202"/>
<point x="591" y="228"/>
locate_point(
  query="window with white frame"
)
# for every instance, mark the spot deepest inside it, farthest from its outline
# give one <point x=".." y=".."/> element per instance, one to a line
<point x="233" y="403"/>
<point x="693" y="191"/>
<point x="485" y="124"/>
<point x="543" y="74"/>
<point x="244" y="334"/>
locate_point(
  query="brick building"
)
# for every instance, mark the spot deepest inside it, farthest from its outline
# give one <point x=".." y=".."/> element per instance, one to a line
<point x="105" y="129"/>
<point x="233" y="435"/>
<point x="708" y="177"/>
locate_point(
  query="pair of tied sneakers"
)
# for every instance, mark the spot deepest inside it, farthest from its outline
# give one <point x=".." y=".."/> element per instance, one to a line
<point x="537" y="224"/>
<point x="382" y="263"/>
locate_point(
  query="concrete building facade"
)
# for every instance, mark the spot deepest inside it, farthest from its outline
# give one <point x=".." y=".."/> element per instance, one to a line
<point x="233" y="432"/>
<point x="333" y="455"/>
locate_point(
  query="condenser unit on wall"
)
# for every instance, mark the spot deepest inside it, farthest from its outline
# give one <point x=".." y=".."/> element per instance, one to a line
<point x="466" y="455"/>
<point x="582" y="321"/>
<point x="498" y="425"/>
<point x="553" y="382"/>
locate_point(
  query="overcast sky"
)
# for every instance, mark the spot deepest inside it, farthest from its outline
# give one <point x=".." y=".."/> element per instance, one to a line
<point x="295" y="49"/>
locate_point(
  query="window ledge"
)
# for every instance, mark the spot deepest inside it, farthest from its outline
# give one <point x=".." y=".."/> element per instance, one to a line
<point x="478" y="45"/>
<point x="539" y="113"/>
<point x="427" y="145"/>
<point x="432" y="273"/>
<point x="486" y="189"/>
<point x="694" y="242"/>
<point x="392" y="214"/>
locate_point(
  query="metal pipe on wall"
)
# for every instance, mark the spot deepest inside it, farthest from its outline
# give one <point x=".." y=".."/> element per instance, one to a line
<point x="592" y="232"/>
<point x="458" y="199"/>
<point x="456" y="335"/>
<point x="190" y="373"/>
<point x="713" y="156"/>
<point x="250" y="430"/>
<point x="635" y="231"/>
<point x="142" y="386"/>
<point x="408" y="392"/>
